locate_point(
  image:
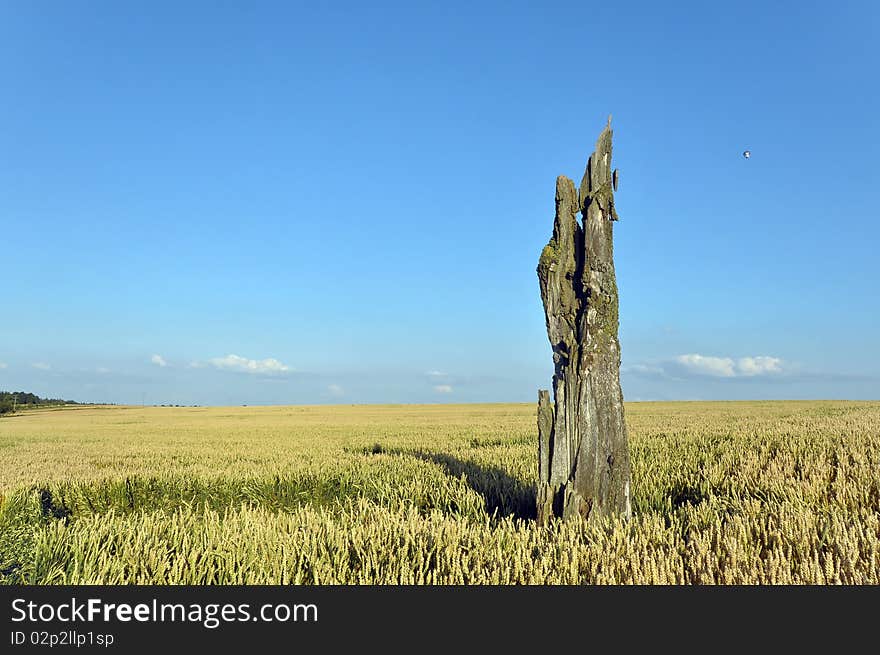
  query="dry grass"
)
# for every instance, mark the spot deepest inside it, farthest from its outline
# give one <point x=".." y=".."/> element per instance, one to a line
<point x="763" y="492"/>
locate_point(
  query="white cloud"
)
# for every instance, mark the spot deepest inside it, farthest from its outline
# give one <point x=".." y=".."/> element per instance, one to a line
<point x="2" y="365"/>
<point x="43" y="366"/>
<point x="435" y="374"/>
<point x="749" y="366"/>
<point x="335" y="390"/>
<point x="236" y="363"/>
<point x="722" y="367"/>
<point x="158" y="360"/>
<point x="102" y="370"/>
<point x="696" y="365"/>
<point x="443" y="388"/>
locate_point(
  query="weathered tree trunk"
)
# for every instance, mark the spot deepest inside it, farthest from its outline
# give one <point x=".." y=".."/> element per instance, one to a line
<point x="583" y="467"/>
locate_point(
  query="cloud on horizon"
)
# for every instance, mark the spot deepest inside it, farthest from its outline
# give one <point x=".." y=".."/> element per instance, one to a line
<point x="253" y="366"/>
<point x="42" y="366"/>
<point x="694" y="365"/>
<point x="158" y="360"/>
<point x="727" y="367"/>
<point x="443" y="388"/>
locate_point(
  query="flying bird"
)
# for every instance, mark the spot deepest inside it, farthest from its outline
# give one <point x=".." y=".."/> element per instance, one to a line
<point x="747" y="153"/>
<point x="614" y="179"/>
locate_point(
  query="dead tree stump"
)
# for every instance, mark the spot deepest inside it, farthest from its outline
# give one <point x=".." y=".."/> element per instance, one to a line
<point x="583" y="451"/>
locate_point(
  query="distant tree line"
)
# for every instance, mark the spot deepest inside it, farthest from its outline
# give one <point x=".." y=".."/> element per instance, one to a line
<point x="12" y="400"/>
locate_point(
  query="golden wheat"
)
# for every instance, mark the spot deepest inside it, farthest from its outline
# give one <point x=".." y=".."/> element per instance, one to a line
<point x="724" y="493"/>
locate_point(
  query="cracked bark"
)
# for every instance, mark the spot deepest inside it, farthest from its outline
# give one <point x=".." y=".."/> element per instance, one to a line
<point x="584" y="466"/>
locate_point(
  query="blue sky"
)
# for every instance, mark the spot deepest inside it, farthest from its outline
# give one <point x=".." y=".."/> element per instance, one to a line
<point x="225" y="203"/>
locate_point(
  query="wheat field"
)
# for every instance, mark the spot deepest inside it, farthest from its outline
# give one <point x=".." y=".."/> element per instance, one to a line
<point x="723" y="493"/>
